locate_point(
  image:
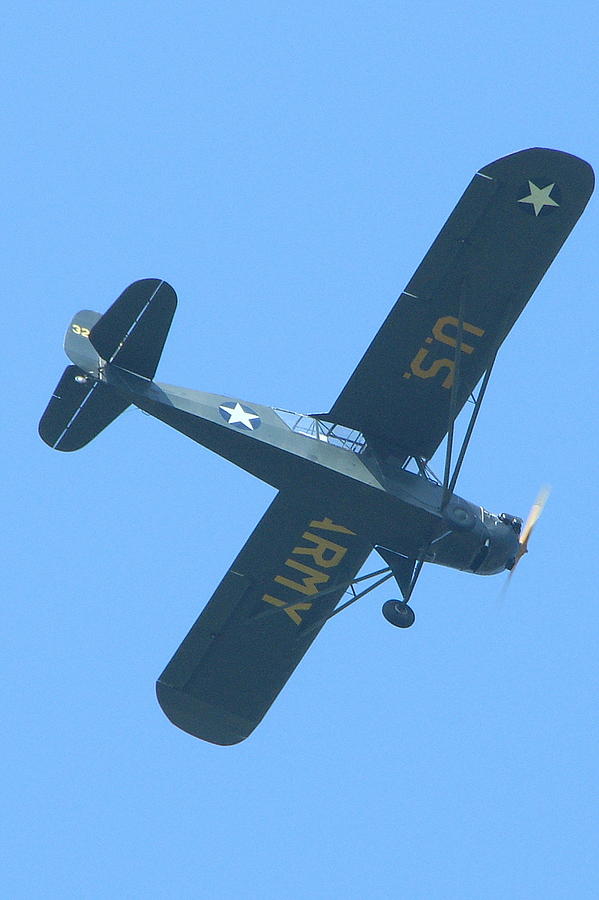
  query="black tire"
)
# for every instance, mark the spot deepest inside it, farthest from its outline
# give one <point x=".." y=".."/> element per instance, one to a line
<point x="398" y="613"/>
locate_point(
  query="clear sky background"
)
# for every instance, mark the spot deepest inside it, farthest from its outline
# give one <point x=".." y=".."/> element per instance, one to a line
<point x="285" y="166"/>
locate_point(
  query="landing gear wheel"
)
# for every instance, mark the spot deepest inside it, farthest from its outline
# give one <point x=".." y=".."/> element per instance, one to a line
<point x="398" y="613"/>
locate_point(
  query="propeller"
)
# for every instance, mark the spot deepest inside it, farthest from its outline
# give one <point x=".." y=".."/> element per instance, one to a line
<point x="533" y="517"/>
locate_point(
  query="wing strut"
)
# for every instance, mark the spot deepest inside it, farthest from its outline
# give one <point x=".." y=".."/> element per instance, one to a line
<point x="453" y="404"/>
<point x="449" y="481"/>
<point x="405" y="571"/>
<point x="477" y="405"/>
<point x="386" y="574"/>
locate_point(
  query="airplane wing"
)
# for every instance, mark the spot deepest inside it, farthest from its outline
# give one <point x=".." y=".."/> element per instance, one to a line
<point x="482" y="269"/>
<point x="261" y="619"/>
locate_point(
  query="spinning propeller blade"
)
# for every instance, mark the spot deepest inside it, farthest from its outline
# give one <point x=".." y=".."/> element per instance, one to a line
<point x="533" y="517"/>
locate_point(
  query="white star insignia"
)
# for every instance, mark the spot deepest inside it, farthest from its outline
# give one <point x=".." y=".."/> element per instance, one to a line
<point x="539" y="197"/>
<point x="237" y="414"/>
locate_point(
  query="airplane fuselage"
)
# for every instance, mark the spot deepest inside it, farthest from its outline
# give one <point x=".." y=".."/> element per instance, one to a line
<point x="398" y="509"/>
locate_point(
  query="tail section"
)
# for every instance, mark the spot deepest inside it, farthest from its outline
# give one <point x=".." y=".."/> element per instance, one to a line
<point x="131" y="336"/>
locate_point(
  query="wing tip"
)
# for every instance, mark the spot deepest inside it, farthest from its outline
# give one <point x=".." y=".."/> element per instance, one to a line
<point x="201" y="719"/>
<point x="575" y="165"/>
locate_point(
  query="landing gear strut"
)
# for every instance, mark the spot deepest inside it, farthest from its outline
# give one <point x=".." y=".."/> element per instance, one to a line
<point x="398" y="613"/>
<point x="404" y="570"/>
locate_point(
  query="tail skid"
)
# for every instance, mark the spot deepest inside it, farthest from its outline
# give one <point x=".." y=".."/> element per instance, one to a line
<point x="131" y="336"/>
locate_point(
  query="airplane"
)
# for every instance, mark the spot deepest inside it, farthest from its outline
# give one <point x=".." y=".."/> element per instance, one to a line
<point x="351" y="480"/>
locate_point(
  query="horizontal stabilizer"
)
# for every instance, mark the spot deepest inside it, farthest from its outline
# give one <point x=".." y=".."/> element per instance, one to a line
<point x="132" y="332"/>
<point x="79" y="409"/>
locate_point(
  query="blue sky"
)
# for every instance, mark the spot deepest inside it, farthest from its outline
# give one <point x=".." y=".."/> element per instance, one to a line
<point x="285" y="167"/>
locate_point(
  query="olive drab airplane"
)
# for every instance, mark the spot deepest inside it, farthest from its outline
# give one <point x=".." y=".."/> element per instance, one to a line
<point x="351" y="480"/>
